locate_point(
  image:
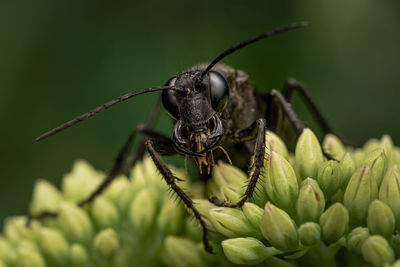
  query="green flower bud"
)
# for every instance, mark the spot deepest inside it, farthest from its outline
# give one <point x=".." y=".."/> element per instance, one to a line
<point x="224" y="174"/>
<point x="281" y="182"/>
<point x="348" y="166"/>
<point x="360" y="192"/>
<point x="143" y="211"/>
<point x="309" y="233"/>
<point x="29" y="256"/>
<point x="358" y="157"/>
<point x="371" y="145"/>
<point x="380" y="219"/>
<point x="115" y="189"/>
<point x="395" y="264"/>
<point x="106" y="242"/>
<point x="334" y="223"/>
<point x="232" y="222"/>
<point x="330" y="177"/>
<point x="104" y="212"/>
<point x="46" y="197"/>
<point x="231" y="194"/>
<point x="78" y="256"/>
<point x="248" y="251"/>
<point x="333" y="146"/>
<point x="204" y="206"/>
<point x="376" y="251"/>
<point x="389" y="192"/>
<point x="253" y="213"/>
<point x="53" y="245"/>
<point x="275" y="143"/>
<point x="311" y="201"/>
<point x="278" y="228"/>
<point x="75" y="223"/>
<point x="15" y="229"/>
<point x="356" y="239"/>
<point x="178" y="251"/>
<point x="308" y="155"/>
<point x="396" y="157"/>
<point x="170" y="218"/>
<point x="378" y="163"/>
<point x="81" y="181"/>
<point x="7" y="253"/>
<point x="387" y="144"/>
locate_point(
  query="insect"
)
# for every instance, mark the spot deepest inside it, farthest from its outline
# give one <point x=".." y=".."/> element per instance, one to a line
<point x="216" y="112"/>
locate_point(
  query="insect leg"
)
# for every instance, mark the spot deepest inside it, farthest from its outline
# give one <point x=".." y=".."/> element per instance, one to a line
<point x="256" y="130"/>
<point x="292" y="85"/>
<point x="117" y="168"/>
<point x="290" y="114"/>
<point x="171" y="181"/>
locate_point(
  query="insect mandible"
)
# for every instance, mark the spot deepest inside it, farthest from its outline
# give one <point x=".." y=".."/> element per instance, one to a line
<point x="216" y="112"/>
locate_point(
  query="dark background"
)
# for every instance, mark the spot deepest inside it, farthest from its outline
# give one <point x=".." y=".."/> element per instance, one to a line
<point x="59" y="59"/>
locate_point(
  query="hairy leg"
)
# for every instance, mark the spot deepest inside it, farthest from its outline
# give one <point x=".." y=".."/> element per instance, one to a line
<point x="255" y="131"/>
<point x="171" y="181"/>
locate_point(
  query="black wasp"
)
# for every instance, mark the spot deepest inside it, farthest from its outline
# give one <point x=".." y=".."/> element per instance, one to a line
<point x="217" y="112"/>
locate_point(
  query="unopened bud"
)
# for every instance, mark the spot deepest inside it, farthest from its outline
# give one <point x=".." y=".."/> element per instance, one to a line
<point x="389" y="192"/>
<point x="75" y="223"/>
<point x="178" y="251"/>
<point x="308" y="155"/>
<point x="356" y="239"/>
<point x="81" y="181"/>
<point x="53" y="245"/>
<point x="46" y="197"/>
<point x="143" y="211"/>
<point x="274" y="143"/>
<point x="170" y="218"/>
<point x="280" y="182"/>
<point x="380" y="219"/>
<point x="104" y="212"/>
<point x="78" y="255"/>
<point x="376" y="251"/>
<point x="330" y="177"/>
<point x="333" y="146"/>
<point x="7" y="253"/>
<point x="377" y="161"/>
<point x="334" y="223"/>
<point x="309" y="233"/>
<point x="115" y="189"/>
<point x="232" y="222"/>
<point x="247" y="251"/>
<point x="28" y="256"/>
<point x="15" y="229"/>
<point x="253" y="213"/>
<point x="360" y="192"/>
<point x="348" y="166"/>
<point x="106" y="242"/>
<point x="224" y="174"/>
<point x="311" y="201"/>
<point x="278" y="228"/>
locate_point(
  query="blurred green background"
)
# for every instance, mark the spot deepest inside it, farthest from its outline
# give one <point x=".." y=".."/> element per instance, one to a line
<point x="59" y="59"/>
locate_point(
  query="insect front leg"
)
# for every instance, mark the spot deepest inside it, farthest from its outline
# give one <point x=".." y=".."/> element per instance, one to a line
<point x="117" y="168"/>
<point x="171" y="181"/>
<point x="256" y="130"/>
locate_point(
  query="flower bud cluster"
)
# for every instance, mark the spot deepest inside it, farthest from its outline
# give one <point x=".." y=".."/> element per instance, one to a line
<point x="305" y="209"/>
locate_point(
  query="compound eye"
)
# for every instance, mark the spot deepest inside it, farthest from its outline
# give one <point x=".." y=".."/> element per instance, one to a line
<point x="169" y="100"/>
<point x="219" y="91"/>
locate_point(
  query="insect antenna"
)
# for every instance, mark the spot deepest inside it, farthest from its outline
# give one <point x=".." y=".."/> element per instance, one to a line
<point x="101" y="108"/>
<point x="254" y="39"/>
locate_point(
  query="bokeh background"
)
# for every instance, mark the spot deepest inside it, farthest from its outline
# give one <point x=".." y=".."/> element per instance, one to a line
<point x="59" y="59"/>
